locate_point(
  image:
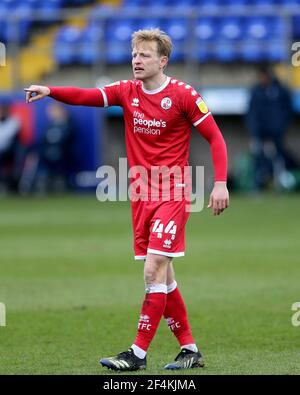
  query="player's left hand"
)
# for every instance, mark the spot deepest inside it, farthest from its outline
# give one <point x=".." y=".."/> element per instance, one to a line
<point x="219" y="198"/>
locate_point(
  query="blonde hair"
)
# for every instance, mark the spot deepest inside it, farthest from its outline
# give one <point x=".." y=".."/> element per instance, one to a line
<point x="164" y="42"/>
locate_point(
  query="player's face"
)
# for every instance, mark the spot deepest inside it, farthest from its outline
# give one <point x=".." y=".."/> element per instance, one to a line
<point x="146" y="63"/>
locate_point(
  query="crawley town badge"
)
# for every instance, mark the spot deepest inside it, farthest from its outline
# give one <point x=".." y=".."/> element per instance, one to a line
<point x="166" y="103"/>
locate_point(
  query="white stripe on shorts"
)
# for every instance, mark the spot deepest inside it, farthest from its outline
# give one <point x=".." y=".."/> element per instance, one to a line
<point x="164" y="253"/>
<point x="137" y="257"/>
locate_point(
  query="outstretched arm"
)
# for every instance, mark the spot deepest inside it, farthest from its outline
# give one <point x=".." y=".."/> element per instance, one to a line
<point x="219" y="197"/>
<point x="66" y="94"/>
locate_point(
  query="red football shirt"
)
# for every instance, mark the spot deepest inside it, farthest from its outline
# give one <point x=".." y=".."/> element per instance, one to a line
<point x="157" y="123"/>
<point x="158" y="129"/>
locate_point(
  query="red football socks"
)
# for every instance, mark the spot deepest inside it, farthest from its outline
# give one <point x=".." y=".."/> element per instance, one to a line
<point x="176" y="315"/>
<point x="152" y="311"/>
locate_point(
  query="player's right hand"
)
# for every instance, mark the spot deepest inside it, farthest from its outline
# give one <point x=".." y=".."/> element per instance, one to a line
<point x="36" y="92"/>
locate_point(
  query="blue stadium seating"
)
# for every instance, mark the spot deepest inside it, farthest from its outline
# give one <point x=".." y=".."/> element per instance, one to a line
<point x="223" y="38"/>
<point x="49" y="11"/>
<point x="289" y="4"/>
<point x="66" y="46"/>
<point x="230" y="29"/>
<point x="117" y="39"/>
<point x="225" y="51"/>
<point x="236" y="4"/>
<point x="276" y="51"/>
<point x="91" y="50"/>
<point x="177" y="29"/>
<point x="146" y="23"/>
<point x="19" y="30"/>
<point x="206" y="29"/>
<point x="209" y="4"/>
<point x="257" y="28"/>
<point x="264" y="4"/>
<point x="252" y="51"/>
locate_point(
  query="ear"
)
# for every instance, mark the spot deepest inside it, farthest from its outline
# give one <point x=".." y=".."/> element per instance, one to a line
<point x="163" y="62"/>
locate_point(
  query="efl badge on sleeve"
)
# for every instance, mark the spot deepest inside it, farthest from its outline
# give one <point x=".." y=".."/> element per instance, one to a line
<point x="202" y="106"/>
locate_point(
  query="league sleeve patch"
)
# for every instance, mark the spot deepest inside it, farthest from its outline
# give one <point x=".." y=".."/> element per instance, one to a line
<point x="201" y="105"/>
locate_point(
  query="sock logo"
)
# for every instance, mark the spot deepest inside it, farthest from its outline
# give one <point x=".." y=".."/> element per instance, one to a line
<point x="144" y="323"/>
<point x="144" y="318"/>
<point x="172" y="324"/>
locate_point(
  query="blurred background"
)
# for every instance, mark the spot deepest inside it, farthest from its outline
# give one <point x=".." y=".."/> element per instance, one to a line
<point x="240" y="55"/>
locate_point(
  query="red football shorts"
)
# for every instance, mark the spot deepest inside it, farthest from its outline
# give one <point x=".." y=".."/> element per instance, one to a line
<point x="159" y="227"/>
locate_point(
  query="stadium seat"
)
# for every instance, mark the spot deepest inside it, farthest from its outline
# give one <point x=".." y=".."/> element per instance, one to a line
<point x="204" y="53"/>
<point x="264" y="4"/>
<point x="66" y="46"/>
<point x="32" y="3"/>
<point x="183" y="4"/>
<point x="99" y="13"/>
<point x="205" y="37"/>
<point x="91" y="49"/>
<point x="10" y="4"/>
<point x="236" y="3"/>
<point x="257" y="28"/>
<point x="50" y="10"/>
<point x="276" y="51"/>
<point x="19" y="30"/>
<point x="230" y="28"/>
<point x="118" y="38"/>
<point x="226" y="51"/>
<point x="252" y="52"/>
<point x="206" y="29"/>
<point x="177" y="29"/>
<point x="118" y="29"/>
<point x="289" y="4"/>
<point x="209" y="4"/>
<point x="145" y="23"/>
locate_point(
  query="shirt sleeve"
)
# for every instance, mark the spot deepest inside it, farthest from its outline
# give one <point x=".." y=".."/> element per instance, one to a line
<point x="194" y="107"/>
<point x="77" y="96"/>
<point x="197" y="112"/>
<point x="211" y="132"/>
<point x="114" y="94"/>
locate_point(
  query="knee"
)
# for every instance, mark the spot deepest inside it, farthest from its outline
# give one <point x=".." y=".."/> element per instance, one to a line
<point x="156" y="270"/>
<point x="150" y="276"/>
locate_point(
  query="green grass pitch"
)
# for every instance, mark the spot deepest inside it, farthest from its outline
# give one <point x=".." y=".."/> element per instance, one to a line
<point x="73" y="291"/>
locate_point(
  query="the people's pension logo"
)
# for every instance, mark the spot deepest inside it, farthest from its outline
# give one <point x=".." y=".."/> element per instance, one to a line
<point x="296" y="55"/>
<point x="2" y="55"/>
<point x="296" y="315"/>
<point x="147" y="126"/>
<point x="2" y="314"/>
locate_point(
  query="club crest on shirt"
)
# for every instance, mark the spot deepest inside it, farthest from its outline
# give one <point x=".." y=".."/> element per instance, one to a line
<point x="166" y="103"/>
<point x="201" y="105"/>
